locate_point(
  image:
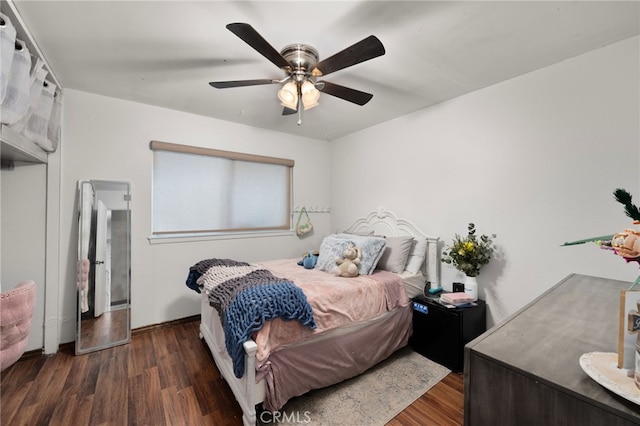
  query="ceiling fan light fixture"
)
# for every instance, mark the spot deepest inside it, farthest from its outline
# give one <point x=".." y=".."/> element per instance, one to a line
<point x="309" y="104"/>
<point x="310" y="95"/>
<point x="301" y="64"/>
<point x="288" y="95"/>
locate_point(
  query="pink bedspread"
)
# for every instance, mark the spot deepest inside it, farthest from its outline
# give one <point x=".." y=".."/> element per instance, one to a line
<point x="336" y="301"/>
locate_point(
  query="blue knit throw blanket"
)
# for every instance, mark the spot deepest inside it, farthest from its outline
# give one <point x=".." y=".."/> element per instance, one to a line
<point x="246" y="299"/>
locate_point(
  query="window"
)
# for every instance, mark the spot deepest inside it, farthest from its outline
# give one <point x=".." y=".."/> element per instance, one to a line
<point x="200" y="190"/>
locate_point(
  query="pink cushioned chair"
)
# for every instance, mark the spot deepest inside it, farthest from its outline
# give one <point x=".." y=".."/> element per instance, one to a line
<point x="16" y="312"/>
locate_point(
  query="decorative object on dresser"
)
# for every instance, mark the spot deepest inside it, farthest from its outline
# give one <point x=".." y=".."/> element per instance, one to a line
<point x="627" y="245"/>
<point x="628" y="325"/>
<point x="283" y="359"/>
<point x="468" y="255"/>
<point x="440" y="332"/>
<point x="633" y="327"/>
<point x="531" y="360"/>
<point x="601" y="367"/>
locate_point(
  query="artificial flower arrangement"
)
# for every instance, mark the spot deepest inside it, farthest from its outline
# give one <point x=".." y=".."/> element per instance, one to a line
<point x="468" y="255"/>
<point x="625" y="244"/>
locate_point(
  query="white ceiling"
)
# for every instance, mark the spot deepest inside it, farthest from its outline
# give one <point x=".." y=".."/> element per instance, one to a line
<point x="165" y="52"/>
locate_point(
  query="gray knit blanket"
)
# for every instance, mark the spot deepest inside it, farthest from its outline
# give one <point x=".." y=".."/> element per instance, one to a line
<point x="246" y="296"/>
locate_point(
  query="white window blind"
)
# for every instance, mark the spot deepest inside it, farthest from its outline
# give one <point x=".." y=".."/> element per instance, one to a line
<point x="200" y="190"/>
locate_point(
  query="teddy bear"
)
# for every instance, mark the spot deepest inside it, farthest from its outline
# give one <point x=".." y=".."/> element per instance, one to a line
<point x="348" y="263"/>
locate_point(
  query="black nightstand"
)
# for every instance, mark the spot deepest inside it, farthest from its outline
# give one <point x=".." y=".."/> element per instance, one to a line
<point x="440" y="333"/>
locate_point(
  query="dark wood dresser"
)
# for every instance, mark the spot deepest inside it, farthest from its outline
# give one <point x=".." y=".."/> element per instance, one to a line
<point x="526" y="371"/>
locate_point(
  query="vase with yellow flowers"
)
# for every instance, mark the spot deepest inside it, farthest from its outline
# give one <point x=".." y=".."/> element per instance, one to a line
<point x="468" y="255"/>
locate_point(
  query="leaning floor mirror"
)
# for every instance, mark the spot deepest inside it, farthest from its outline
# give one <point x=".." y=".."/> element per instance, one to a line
<point x="104" y="265"/>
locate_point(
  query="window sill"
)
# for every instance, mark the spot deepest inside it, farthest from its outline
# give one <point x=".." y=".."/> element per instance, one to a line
<point x="191" y="238"/>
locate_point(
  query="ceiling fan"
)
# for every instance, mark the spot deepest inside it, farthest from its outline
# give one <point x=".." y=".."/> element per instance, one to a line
<point x="302" y="68"/>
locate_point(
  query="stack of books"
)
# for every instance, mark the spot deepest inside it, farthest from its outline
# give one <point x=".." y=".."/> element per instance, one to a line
<point x="456" y="299"/>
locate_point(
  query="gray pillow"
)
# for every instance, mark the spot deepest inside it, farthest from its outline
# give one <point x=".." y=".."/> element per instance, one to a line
<point x="334" y="245"/>
<point x="395" y="255"/>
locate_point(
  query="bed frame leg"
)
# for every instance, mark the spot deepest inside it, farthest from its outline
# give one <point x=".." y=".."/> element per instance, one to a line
<point x="249" y="419"/>
<point x="248" y="407"/>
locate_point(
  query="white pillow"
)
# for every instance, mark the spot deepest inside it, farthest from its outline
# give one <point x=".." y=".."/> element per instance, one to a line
<point x="416" y="256"/>
<point x="396" y="253"/>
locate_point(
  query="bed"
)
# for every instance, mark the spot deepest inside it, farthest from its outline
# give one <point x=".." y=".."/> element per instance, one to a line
<point x="344" y="337"/>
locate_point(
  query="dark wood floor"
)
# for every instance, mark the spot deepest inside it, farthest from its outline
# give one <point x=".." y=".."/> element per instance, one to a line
<point x="165" y="376"/>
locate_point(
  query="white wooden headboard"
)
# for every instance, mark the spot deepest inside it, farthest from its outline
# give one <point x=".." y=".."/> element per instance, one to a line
<point x="385" y="222"/>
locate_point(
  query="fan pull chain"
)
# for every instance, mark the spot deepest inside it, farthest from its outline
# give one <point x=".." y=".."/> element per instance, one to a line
<point x="299" y="115"/>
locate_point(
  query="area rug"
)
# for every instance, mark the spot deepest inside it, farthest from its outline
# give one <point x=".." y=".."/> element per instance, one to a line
<point x="373" y="398"/>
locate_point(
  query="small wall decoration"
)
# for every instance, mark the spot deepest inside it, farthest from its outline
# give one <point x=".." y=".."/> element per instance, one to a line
<point x="304" y="224"/>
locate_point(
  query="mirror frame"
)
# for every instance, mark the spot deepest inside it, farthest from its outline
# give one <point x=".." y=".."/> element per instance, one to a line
<point x="96" y="324"/>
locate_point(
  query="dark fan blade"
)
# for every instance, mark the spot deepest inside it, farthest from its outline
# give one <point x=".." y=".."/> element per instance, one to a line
<point x="351" y="95"/>
<point x="363" y="50"/>
<point x="250" y="36"/>
<point x="288" y="111"/>
<point x="241" y="83"/>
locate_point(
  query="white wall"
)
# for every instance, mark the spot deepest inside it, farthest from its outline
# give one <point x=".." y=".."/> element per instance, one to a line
<point x="108" y="139"/>
<point x="534" y="159"/>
